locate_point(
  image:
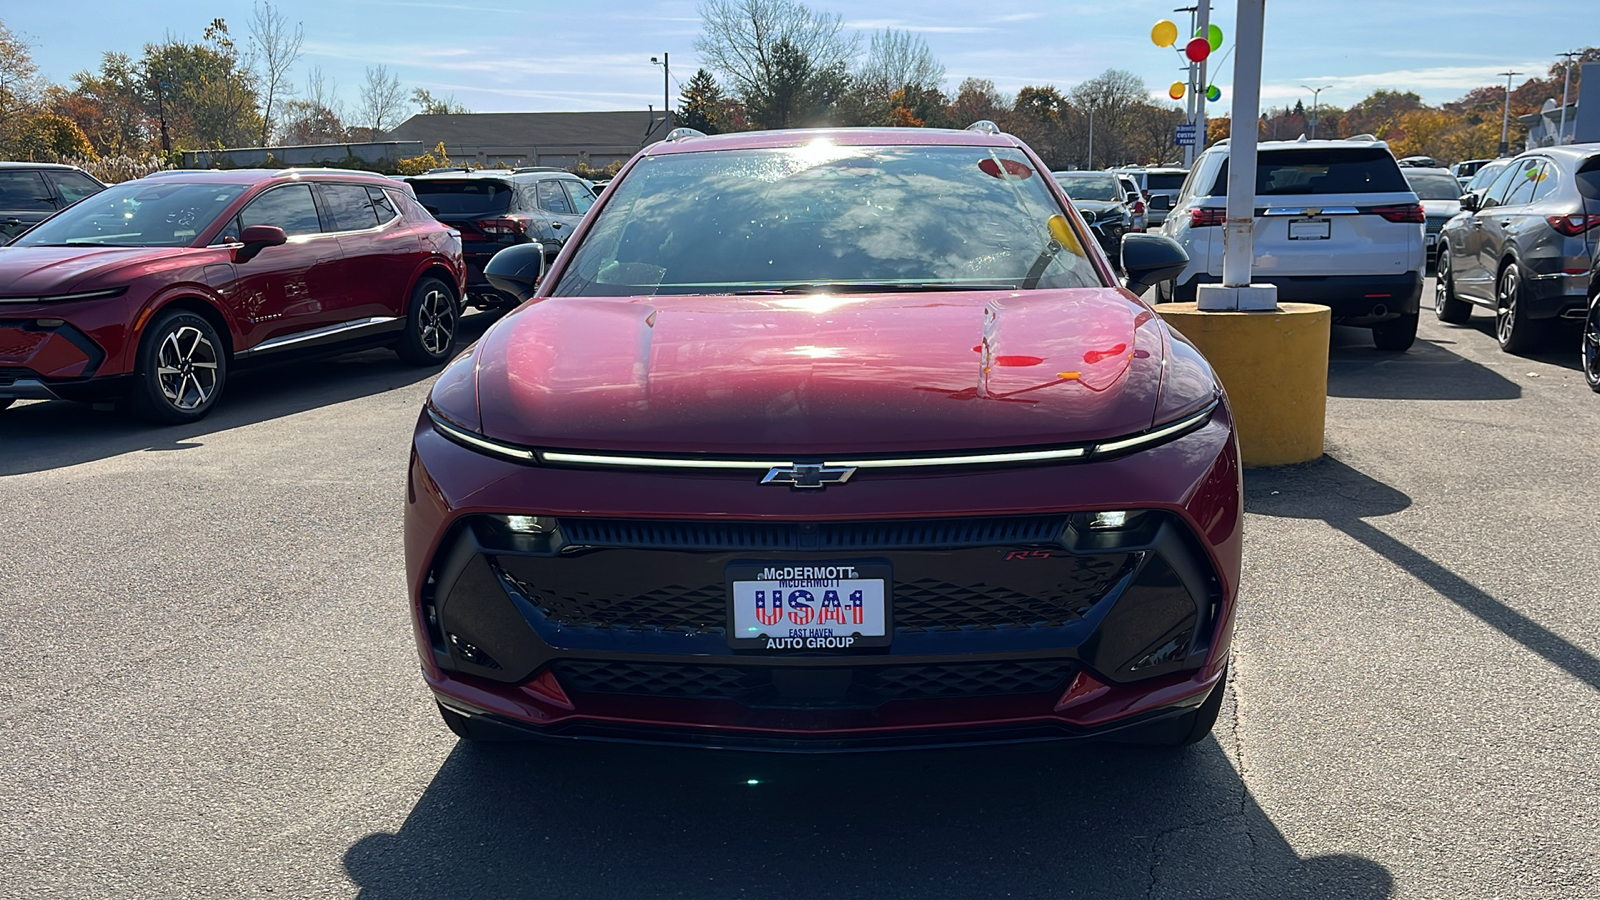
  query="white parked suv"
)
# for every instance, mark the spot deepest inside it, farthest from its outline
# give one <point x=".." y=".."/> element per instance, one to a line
<point x="1336" y="224"/>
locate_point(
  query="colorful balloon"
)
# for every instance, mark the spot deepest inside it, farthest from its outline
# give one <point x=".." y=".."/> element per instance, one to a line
<point x="1176" y="91"/>
<point x="1214" y="37"/>
<point x="1197" y="50"/>
<point x="1213" y="93"/>
<point x="1164" y="34"/>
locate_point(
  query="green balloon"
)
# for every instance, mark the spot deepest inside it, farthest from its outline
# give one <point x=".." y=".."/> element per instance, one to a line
<point x="1213" y="93"/>
<point x="1214" y="37"/>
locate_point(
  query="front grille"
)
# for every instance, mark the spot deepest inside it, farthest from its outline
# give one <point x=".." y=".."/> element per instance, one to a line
<point x="940" y="593"/>
<point x="923" y="534"/>
<point x="814" y="687"/>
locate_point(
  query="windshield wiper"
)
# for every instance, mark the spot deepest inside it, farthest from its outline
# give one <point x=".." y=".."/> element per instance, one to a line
<point x="80" y="244"/>
<point x="874" y="287"/>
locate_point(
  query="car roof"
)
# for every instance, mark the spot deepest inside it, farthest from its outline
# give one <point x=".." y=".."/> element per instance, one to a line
<point x="527" y="173"/>
<point x="1361" y="142"/>
<point x="37" y="165"/>
<point x="260" y="176"/>
<point x="795" y="137"/>
<point x="1572" y="151"/>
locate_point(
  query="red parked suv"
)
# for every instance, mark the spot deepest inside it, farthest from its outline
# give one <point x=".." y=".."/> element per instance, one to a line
<point x="153" y="289"/>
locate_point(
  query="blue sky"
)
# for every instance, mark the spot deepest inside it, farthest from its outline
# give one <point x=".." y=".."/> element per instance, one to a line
<point x="507" y="55"/>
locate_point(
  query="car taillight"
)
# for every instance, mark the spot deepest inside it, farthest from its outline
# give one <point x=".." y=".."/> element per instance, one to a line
<point x="1573" y="225"/>
<point x="503" y="226"/>
<point x="1138" y="207"/>
<point x="1201" y="216"/>
<point x="1404" y="212"/>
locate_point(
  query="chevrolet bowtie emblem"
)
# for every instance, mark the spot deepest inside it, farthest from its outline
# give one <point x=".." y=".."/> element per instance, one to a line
<point x="799" y="476"/>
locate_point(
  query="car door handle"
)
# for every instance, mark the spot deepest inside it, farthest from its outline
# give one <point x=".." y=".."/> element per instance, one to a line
<point x="11" y="221"/>
<point x="1505" y="222"/>
<point x="555" y="225"/>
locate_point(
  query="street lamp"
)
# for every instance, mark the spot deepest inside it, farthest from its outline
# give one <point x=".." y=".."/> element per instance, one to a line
<point x="1315" y="93"/>
<point x="666" y="83"/>
<point x="1505" y="117"/>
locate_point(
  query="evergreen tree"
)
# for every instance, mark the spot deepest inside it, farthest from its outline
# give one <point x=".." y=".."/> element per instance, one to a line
<point x="700" y="105"/>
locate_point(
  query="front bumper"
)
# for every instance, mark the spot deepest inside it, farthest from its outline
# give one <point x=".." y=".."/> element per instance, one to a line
<point x="1008" y="626"/>
<point x="52" y="359"/>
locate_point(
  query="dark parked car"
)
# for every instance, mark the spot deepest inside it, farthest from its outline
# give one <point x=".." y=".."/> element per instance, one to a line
<point x="1524" y="246"/>
<point x="1104" y="204"/>
<point x="1440" y="194"/>
<point x="31" y="192"/>
<point x="499" y="208"/>
<point x="1589" y="350"/>
<point x="152" y="290"/>
<point x="838" y="463"/>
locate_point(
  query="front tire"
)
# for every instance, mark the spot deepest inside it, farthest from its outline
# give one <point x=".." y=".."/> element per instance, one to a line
<point x="1447" y="307"/>
<point x="181" y="369"/>
<point x="1590" y="352"/>
<point x="432" y="320"/>
<point x="1514" y="331"/>
<point x="1396" y="335"/>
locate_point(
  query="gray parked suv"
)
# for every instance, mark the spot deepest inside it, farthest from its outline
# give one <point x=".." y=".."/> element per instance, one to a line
<point x="1523" y="245"/>
<point x="31" y="192"/>
<point x="499" y="208"/>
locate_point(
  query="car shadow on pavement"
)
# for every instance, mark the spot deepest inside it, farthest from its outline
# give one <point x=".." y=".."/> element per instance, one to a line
<point x="55" y="434"/>
<point x="1559" y="348"/>
<point x="1346" y="498"/>
<point x="604" y="821"/>
<point x="1430" y="370"/>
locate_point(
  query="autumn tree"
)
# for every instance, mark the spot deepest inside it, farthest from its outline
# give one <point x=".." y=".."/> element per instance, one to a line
<point x="48" y="137"/>
<point x="785" y="62"/>
<point x="701" y="104"/>
<point x="316" y="116"/>
<point x="207" y="90"/>
<point x="277" y="48"/>
<point x="20" y="87"/>
<point x="429" y="105"/>
<point x="112" y="106"/>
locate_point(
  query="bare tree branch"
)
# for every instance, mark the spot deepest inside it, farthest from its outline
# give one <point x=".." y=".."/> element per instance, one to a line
<point x="277" y="49"/>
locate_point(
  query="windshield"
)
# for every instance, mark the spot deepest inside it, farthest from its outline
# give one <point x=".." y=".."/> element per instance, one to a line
<point x="1088" y="186"/>
<point x="1280" y="173"/>
<point x="136" y="214"/>
<point x="468" y="196"/>
<point x="826" y="217"/>
<point x="1486" y="175"/>
<point x="1434" y="185"/>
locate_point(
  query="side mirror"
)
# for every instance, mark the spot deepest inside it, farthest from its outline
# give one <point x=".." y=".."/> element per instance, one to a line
<point x="1160" y="201"/>
<point x="257" y="238"/>
<point x="1469" y="201"/>
<point x="516" y="271"/>
<point x="1149" y="258"/>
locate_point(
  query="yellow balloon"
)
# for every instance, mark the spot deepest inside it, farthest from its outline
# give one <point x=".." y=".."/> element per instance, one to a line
<point x="1164" y="33"/>
<point x="1177" y="90"/>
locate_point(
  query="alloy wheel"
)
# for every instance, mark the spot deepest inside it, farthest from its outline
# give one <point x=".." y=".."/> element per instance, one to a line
<point x="1591" y="347"/>
<point x="436" y="323"/>
<point x="1441" y="278"/>
<point x="1506" y="307"/>
<point x="186" y="368"/>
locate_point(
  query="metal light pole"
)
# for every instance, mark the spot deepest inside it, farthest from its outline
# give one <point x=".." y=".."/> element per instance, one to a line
<point x="665" y="62"/>
<point x="1566" y="88"/>
<point x="1090" y="166"/>
<point x="1505" y="117"/>
<point x="1189" y="98"/>
<point x="1200" y="82"/>
<point x="1315" y="93"/>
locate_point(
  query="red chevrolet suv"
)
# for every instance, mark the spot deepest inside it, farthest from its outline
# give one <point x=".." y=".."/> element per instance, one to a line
<point x="152" y="290"/>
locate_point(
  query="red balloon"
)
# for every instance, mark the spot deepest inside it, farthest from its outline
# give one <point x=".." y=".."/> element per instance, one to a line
<point x="1197" y="50"/>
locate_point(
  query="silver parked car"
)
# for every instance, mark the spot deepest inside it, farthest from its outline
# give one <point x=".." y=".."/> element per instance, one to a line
<point x="1136" y="205"/>
<point x="1441" y="201"/>
<point x="1523" y="245"/>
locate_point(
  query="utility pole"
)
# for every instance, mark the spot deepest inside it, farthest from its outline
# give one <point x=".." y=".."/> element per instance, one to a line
<point x="1201" y="82"/>
<point x="1566" y="88"/>
<point x="1315" y="93"/>
<point x="1189" y="98"/>
<point x="161" y="112"/>
<point x="665" y="62"/>
<point x="1505" y="117"/>
<point x="1090" y="166"/>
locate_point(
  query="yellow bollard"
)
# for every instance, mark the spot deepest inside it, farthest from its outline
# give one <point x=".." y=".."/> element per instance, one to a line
<point x="1274" y="366"/>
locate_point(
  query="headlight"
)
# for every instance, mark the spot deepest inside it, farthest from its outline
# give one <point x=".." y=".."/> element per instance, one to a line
<point x="474" y="441"/>
<point x="81" y="295"/>
<point x="1158" y="435"/>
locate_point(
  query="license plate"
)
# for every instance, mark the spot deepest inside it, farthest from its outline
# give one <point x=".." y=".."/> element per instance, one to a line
<point x="1309" y="229"/>
<point x="809" y="606"/>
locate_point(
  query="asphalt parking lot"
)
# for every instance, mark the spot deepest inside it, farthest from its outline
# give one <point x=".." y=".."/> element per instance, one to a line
<point x="213" y="690"/>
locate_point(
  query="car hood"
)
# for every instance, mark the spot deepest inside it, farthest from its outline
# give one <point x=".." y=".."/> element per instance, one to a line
<point x="821" y="374"/>
<point x="1446" y="208"/>
<point x="31" y="271"/>
<point x="1096" y="206"/>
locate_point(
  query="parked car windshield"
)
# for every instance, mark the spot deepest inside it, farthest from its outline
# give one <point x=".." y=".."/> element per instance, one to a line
<point x="1088" y="186"/>
<point x="824" y="217"/>
<point x="136" y="214"/>
<point x="467" y="196"/>
<point x="1434" y="185"/>
<point x="1358" y="170"/>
